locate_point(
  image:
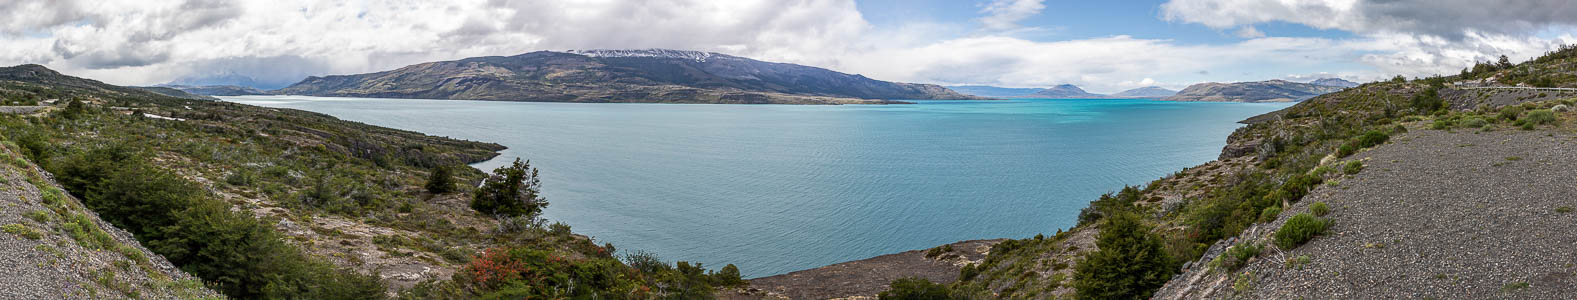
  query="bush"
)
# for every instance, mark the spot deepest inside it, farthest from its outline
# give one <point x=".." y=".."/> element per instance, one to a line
<point x="1269" y="214"/>
<point x="915" y="288"/>
<point x="1540" y="117"/>
<point x="1319" y="209"/>
<point x="1510" y="113"/>
<point x="1235" y="257"/>
<point x="512" y="190"/>
<point x="1372" y="138"/>
<point x="440" y="181"/>
<point x="1299" y="229"/>
<point x="1474" y="122"/>
<point x="1352" y="167"/>
<point x="1130" y="264"/>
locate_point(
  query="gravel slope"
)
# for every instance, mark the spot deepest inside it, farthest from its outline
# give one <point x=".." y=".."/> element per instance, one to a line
<point x="1434" y="214"/>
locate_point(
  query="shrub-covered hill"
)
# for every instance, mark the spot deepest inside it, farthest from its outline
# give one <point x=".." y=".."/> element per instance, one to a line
<point x="1290" y="180"/>
<point x="55" y="248"/>
<point x="277" y="203"/>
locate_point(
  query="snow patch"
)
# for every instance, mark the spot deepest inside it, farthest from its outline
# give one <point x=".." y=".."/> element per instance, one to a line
<point x="697" y="56"/>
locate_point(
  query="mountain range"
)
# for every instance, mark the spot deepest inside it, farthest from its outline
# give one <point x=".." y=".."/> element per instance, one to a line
<point x="1063" y="91"/>
<point x="650" y="75"/>
<point x="1256" y="91"/>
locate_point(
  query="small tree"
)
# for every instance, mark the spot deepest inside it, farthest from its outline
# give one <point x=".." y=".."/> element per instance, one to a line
<point x="74" y="109"/>
<point x="915" y="288"/>
<point x="1130" y="263"/>
<point x="512" y="190"/>
<point x="440" y="181"/>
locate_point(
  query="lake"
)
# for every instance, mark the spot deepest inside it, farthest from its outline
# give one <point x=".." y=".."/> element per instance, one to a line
<point x="779" y="188"/>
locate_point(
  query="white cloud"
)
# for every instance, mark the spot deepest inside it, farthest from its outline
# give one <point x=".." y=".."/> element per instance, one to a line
<point x="1248" y="32"/>
<point x="280" y="41"/>
<point x="1409" y="37"/>
<point x="1005" y="14"/>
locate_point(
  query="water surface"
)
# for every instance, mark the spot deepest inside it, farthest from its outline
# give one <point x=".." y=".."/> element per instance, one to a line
<point x="778" y="188"/>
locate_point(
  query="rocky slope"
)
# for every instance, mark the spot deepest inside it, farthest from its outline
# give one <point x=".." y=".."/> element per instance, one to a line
<point x="655" y="75"/>
<point x="1257" y="91"/>
<point x="55" y="248"/>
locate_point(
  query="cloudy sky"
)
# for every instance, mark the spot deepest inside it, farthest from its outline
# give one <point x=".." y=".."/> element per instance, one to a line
<point x="1102" y="46"/>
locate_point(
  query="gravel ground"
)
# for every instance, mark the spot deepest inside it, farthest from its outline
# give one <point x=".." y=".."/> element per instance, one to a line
<point x="1434" y="214"/>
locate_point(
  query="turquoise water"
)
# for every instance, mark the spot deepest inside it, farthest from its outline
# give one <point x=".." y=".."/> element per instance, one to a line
<point x="778" y="188"/>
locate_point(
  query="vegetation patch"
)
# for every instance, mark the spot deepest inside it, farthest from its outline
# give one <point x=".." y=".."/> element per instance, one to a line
<point x="1352" y="167"/>
<point x="22" y="231"/>
<point x="1299" y="229"/>
<point x="1319" y="209"/>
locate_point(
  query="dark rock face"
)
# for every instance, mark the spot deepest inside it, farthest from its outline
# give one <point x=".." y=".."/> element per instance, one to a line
<point x="619" y="76"/>
<point x="1257" y="91"/>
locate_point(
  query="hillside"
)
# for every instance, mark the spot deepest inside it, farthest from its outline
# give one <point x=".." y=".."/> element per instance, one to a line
<point x="278" y="203"/>
<point x="1336" y="82"/>
<point x="992" y="91"/>
<point x="56" y="248"/>
<point x="1065" y="91"/>
<point x="1348" y="194"/>
<point x="1256" y="91"/>
<point x="217" y="90"/>
<point x="655" y="75"/>
<point x="1144" y="92"/>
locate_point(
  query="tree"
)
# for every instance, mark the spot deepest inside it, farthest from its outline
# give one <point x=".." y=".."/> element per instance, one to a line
<point x="440" y="181"/>
<point x="1504" y="63"/>
<point x="1130" y="263"/>
<point x="512" y="190"/>
<point x="74" y="109"/>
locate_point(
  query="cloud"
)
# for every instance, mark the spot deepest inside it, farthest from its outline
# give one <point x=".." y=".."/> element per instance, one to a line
<point x="1005" y="14"/>
<point x="1249" y="32"/>
<point x="1409" y="37"/>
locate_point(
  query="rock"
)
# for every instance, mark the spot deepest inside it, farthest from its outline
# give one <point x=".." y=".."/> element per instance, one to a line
<point x="1561" y="108"/>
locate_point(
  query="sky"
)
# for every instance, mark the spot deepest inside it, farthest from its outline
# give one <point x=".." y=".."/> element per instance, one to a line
<point x="1103" y="46"/>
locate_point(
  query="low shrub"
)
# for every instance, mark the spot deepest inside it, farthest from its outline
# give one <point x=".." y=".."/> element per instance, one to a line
<point x="915" y="288"/>
<point x="1269" y="214"/>
<point x="1372" y="138"/>
<point x="1236" y="257"/>
<point x="1474" y="122"/>
<point x="1540" y="117"/>
<point x="22" y="230"/>
<point x="1352" y="167"/>
<point x="1510" y="113"/>
<point x="1299" y="229"/>
<point x="1319" y="209"/>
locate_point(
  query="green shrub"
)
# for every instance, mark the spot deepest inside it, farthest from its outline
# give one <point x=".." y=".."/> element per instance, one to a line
<point x="22" y="230"/>
<point x="1235" y="257"/>
<point x="1347" y="149"/>
<point x="1474" y="122"/>
<point x="1372" y="138"/>
<point x="513" y="190"/>
<point x="1510" y="113"/>
<point x="1540" y="117"/>
<point x="1129" y="265"/>
<point x="1299" y="229"/>
<point x="915" y="288"/>
<point x="1269" y="214"/>
<point x="1440" y="124"/>
<point x="440" y="180"/>
<point x="1352" y="167"/>
<point x="968" y="272"/>
<point x="1319" y="209"/>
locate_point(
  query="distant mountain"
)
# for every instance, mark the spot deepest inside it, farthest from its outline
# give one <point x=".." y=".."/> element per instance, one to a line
<point x="1065" y="91"/>
<point x="218" y="90"/>
<point x="991" y="91"/>
<point x="651" y="75"/>
<point x="60" y="86"/>
<point x="1336" y="82"/>
<point x="226" y="78"/>
<point x="1144" y="92"/>
<point x="1257" y="91"/>
<point x="174" y="92"/>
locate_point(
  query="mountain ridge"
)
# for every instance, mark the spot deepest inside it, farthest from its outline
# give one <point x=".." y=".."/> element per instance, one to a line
<point x="1252" y="91"/>
<point x="647" y="76"/>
